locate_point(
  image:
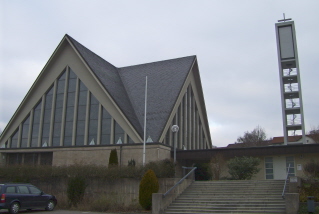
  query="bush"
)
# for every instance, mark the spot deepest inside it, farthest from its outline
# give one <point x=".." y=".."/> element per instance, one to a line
<point x="148" y="186"/>
<point x="76" y="190"/>
<point x="162" y="169"/>
<point x="203" y="172"/>
<point x="243" y="168"/>
<point x="311" y="169"/>
<point x="113" y="160"/>
<point x="131" y="162"/>
<point x="309" y="188"/>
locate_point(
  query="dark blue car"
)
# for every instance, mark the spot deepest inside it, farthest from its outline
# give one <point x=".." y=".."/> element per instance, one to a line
<point x="15" y="196"/>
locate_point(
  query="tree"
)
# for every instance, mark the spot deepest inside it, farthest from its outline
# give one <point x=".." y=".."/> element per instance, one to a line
<point x="314" y="134"/>
<point x="243" y="168"/>
<point x="253" y="138"/>
<point x="148" y="186"/>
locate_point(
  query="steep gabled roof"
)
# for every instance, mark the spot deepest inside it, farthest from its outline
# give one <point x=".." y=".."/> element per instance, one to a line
<point x="127" y="87"/>
<point x="109" y="77"/>
<point x="165" y="80"/>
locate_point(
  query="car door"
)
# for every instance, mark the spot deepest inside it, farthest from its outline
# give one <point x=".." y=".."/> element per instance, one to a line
<point x="38" y="200"/>
<point x="24" y="196"/>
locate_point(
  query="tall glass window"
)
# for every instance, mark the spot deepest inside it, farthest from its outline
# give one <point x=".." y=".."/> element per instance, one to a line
<point x="14" y="139"/>
<point x="93" y="120"/>
<point x="269" y="168"/>
<point x="58" y="111"/>
<point x="25" y="132"/>
<point x="118" y="134"/>
<point x="106" y="127"/>
<point x="47" y="118"/>
<point x="36" y="125"/>
<point x="290" y="162"/>
<point x="69" y="117"/>
<point x="80" y="129"/>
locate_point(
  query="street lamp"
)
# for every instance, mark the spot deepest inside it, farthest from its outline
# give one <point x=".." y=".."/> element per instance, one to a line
<point x="175" y="129"/>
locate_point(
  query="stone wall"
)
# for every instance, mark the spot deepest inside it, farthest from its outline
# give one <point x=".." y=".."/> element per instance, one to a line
<point x="125" y="190"/>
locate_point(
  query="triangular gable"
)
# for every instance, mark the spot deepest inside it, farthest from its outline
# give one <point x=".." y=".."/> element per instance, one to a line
<point x="165" y="80"/>
<point x="193" y="82"/>
<point x="65" y="55"/>
<point x="109" y="77"/>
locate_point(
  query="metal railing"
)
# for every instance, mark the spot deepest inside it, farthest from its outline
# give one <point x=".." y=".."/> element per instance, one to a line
<point x="180" y="181"/>
<point x="283" y="191"/>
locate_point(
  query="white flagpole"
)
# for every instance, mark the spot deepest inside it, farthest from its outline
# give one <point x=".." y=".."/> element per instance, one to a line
<point x="145" y="121"/>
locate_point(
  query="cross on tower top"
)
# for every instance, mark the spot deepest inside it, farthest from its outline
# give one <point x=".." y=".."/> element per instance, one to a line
<point x="284" y="20"/>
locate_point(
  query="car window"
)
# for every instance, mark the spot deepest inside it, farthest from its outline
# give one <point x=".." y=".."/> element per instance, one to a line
<point x="11" y="189"/>
<point x="23" y="189"/>
<point x="34" y="190"/>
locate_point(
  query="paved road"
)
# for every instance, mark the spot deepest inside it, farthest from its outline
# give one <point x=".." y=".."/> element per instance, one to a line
<point x="64" y="212"/>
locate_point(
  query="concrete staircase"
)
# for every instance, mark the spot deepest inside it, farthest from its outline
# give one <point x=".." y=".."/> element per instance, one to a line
<point x="230" y="197"/>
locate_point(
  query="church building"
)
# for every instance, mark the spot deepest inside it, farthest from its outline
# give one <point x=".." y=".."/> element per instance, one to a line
<point x="81" y="107"/>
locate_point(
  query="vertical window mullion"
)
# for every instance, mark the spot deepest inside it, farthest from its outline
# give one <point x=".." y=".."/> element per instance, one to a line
<point x="75" y="118"/>
<point x="87" y="117"/>
<point x="64" y="107"/>
<point x="52" y="113"/>
<point x="41" y="120"/>
<point x="99" y="126"/>
<point x="30" y="128"/>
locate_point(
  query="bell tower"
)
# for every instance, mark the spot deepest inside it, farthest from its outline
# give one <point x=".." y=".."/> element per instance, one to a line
<point x="290" y="84"/>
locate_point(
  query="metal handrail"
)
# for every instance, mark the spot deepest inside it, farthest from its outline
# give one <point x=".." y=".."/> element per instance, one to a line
<point x="180" y="181"/>
<point x="283" y="191"/>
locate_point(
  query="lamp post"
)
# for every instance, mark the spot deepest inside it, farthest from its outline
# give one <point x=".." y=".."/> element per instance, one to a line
<point x="175" y="129"/>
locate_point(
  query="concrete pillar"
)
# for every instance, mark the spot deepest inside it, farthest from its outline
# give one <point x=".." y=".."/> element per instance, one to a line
<point x="294" y="184"/>
<point x="292" y="203"/>
<point x="157" y="206"/>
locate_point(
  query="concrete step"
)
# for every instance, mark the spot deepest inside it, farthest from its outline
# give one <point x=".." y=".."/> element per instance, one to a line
<point x="224" y="209"/>
<point x="229" y="212"/>
<point x="230" y="197"/>
<point x="224" y="201"/>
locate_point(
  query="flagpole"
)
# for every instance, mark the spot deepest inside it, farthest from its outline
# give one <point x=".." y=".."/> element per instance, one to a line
<point x="145" y="121"/>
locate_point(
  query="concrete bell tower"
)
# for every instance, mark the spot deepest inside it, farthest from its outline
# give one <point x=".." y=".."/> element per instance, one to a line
<point x="290" y="84"/>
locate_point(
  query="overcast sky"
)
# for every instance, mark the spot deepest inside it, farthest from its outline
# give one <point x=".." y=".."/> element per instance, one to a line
<point x="234" y="41"/>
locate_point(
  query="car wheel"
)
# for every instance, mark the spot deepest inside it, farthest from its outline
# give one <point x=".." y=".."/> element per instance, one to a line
<point x="14" y="208"/>
<point x="50" y="205"/>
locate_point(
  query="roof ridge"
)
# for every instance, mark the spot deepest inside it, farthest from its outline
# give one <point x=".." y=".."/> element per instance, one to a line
<point x="78" y="43"/>
<point x="161" y="61"/>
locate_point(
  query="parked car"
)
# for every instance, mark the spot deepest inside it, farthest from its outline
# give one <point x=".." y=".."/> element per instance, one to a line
<point x="15" y="196"/>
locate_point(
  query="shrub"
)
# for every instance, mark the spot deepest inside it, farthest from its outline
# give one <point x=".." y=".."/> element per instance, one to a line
<point x="309" y="188"/>
<point x="203" y="172"/>
<point x="243" y="168"/>
<point x="311" y="169"/>
<point x="113" y="160"/>
<point x="76" y="190"/>
<point x="148" y="186"/>
<point x="131" y="162"/>
<point x="162" y="169"/>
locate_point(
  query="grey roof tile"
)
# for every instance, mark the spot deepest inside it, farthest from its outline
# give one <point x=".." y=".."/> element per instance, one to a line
<point x="165" y="80"/>
<point x="109" y="77"/>
<point x="126" y="85"/>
